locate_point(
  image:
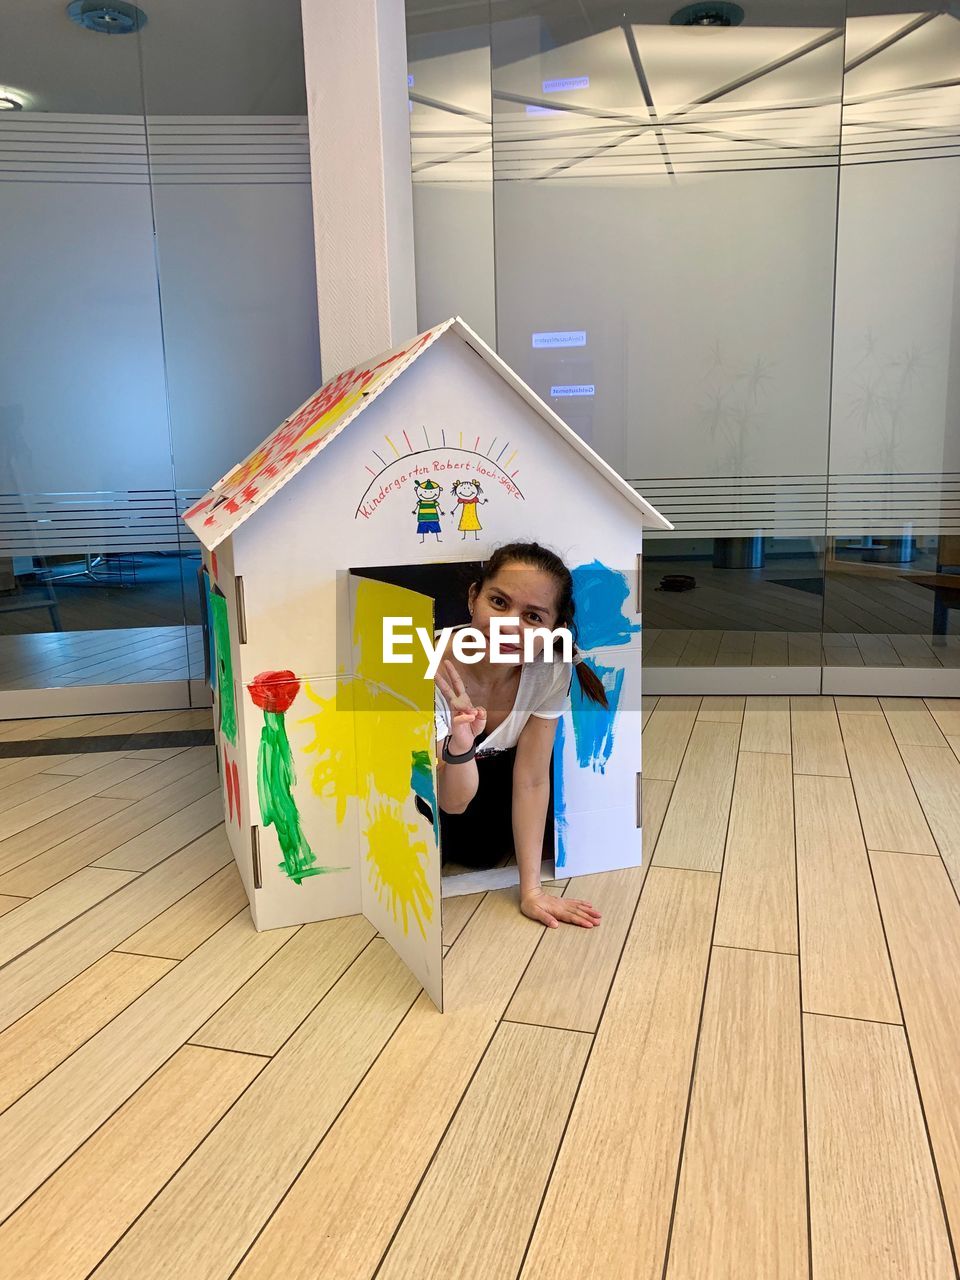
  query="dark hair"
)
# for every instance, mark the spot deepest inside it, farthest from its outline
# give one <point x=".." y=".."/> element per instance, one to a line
<point x="535" y="556"/>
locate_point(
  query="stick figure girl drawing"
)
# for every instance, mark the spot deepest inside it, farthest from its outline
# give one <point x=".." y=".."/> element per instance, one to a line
<point x="467" y="494"/>
<point x="427" y="509"/>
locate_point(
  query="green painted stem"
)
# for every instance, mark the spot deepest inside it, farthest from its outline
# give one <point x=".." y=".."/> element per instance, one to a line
<point x="275" y="779"/>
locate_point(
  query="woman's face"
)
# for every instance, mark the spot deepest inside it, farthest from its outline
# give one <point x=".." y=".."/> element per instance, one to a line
<point x="516" y="591"/>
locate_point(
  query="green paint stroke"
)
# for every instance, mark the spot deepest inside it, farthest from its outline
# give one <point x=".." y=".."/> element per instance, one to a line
<point x="275" y="779"/>
<point x="221" y="642"/>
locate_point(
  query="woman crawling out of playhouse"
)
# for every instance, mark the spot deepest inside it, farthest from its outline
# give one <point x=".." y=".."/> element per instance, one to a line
<point x="496" y="724"/>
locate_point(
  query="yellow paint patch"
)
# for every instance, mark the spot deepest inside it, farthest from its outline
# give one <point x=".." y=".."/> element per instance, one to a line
<point x="387" y="738"/>
<point x="394" y="719"/>
<point x="246" y="469"/>
<point x="367" y="756"/>
<point x="333" y="415"/>
<point x="364" y="740"/>
<point x="374" y="601"/>
<point x="334" y="775"/>
<point x="396" y="859"/>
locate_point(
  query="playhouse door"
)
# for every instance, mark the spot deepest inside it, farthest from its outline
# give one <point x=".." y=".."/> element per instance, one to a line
<point x="396" y="770"/>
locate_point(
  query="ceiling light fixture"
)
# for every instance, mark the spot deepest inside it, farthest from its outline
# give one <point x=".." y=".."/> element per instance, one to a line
<point x="116" y="19"/>
<point x="710" y="13"/>
<point x="8" y="102"/>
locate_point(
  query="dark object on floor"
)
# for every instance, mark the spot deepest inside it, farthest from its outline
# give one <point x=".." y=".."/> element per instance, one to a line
<point x="813" y="586"/>
<point x="109" y="742"/>
<point x="677" y="582"/>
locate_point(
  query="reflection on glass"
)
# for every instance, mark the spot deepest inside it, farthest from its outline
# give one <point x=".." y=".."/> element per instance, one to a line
<point x="669" y="192"/>
<point x="733" y="602"/>
<point x="893" y="558"/>
<point x="123" y="395"/>
<point x="230" y="182"/>
<point x="765" y="348"/>
<point x="89" y="516"/>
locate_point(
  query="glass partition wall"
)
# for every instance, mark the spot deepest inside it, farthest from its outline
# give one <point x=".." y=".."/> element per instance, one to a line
<point x="160" y="318"/>
<point x="892" y="589"/>
<point x="722" y="242"/>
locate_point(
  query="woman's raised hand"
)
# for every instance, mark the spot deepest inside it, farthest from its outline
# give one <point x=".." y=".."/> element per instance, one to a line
<point x="468" y="721"/>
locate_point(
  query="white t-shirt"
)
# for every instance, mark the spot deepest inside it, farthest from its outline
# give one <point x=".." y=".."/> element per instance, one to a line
<point x="544" y="690"/>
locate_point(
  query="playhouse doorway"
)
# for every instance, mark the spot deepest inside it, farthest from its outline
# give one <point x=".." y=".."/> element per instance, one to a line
<point x="447" y="584"/>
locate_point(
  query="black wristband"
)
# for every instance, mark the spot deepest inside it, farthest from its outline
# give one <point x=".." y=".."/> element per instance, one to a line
<point x="452" y="759"/>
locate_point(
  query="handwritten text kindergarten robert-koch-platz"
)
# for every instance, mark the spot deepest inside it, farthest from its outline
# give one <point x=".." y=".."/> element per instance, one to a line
<point x="469" y="467"/>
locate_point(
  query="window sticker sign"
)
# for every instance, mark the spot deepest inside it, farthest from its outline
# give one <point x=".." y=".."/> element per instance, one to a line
<point x="562" y="338"/>
<point x="574" y="389"/>
<point x="567" y="84"/>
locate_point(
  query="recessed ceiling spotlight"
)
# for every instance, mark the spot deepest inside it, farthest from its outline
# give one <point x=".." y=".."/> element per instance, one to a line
<point x="9" y="102"/>
<point x="710" y="13"/>
<point x="116" y="19"/>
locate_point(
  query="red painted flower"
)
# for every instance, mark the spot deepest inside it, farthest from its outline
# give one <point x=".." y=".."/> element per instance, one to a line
<point x="274" y="690"/>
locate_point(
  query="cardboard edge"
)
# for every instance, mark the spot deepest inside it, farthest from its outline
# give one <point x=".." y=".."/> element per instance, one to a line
<point x="652" y="517"/>
<point x="430" y="336"/>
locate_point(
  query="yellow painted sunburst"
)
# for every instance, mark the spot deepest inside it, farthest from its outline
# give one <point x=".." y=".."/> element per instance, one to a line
<point x="395" y="860"/>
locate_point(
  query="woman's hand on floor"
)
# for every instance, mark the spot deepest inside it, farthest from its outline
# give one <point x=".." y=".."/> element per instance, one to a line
<point x="551" y="911"/>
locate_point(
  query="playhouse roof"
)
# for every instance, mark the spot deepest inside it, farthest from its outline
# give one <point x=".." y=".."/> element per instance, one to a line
<point x="308" y="431"/>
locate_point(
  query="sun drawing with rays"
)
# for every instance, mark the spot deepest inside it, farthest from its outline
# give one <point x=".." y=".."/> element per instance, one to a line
<point x="396" y="864"/>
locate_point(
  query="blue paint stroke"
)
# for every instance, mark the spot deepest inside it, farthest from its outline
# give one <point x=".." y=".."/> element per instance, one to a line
<point x="599" y="593"/>
<point x="421" y="781"/>
<point x="559" y="801"/>
<point x="593" y="725"/>
<point x="593" y="735"/>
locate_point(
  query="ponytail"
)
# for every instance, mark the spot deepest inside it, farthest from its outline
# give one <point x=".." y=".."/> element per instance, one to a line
<point x="591" y="686"/>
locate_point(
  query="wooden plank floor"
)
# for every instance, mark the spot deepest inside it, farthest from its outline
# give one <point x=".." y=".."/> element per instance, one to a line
<point x="748" y="1072"/>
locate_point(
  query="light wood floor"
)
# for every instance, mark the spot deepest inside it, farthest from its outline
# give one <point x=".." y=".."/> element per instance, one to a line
<point x="749" y="1071"/>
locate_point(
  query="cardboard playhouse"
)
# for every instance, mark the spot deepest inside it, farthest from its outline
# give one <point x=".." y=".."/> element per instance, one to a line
<point x="431" y="455"/>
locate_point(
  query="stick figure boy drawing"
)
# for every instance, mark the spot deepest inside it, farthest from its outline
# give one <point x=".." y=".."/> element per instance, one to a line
<point x="427" y="509"/>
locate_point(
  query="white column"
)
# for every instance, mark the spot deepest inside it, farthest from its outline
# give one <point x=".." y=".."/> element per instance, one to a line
<point x="355" y="53"/>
